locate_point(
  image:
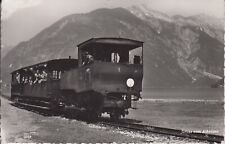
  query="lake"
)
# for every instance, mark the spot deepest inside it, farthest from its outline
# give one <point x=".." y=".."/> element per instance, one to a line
<point x="197" y="110"/>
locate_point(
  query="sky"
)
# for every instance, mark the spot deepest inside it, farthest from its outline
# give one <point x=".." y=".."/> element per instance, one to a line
<point x="42" y="13"/>
<point x="187" y="7"/>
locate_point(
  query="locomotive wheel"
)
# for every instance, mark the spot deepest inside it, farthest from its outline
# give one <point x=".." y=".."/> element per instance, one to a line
<point x="55" y="107"/>
<point x="115" y="116"/>
<point x="93" y="102"/>
<point x="91" y="116"/>
<point x="12" y="98"/>
<point x="15" y="99"/>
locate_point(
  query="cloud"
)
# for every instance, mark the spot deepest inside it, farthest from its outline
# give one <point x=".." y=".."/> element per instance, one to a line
<point x="11" y="6"/>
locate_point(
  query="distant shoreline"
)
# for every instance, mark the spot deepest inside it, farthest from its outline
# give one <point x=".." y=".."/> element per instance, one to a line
<point x="180" y="100"/>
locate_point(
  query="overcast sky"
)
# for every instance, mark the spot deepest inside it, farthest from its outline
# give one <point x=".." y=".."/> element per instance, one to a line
<point x="184" y="7"/>
<point x="23" y="19"/>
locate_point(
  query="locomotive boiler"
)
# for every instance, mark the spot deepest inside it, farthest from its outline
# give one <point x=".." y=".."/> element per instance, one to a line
<point x="106" y="78"/>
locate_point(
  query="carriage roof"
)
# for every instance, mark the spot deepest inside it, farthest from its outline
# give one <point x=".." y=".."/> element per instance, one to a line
<point x="51" y="64"/>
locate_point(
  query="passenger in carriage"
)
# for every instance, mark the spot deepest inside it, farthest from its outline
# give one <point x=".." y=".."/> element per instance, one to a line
<point x="43" y="76"/>
<point x="88" y="58"/>
<point x="18" y="77"/>
<point x="115" y="57"/>
<point x="40" y="76"/>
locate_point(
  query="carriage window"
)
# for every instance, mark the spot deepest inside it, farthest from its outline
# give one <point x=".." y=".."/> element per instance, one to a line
<point x="39" y="76"/>
<point x="26" y="80"/>
<point x="118" y="54"/>
<point x="87" y="58"/>
<point x="30" y="80"/>
<point x="135" y="56"/>
<point x="23" y="79"/>
<point x="56" y="74"/>
<point x="16" y="78"/>
<point x="115" y="57"/>
<point x="59" y="76"/>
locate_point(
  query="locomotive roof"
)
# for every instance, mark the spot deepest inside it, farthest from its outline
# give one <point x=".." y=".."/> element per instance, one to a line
<point x="119" y="43"/>
<point x="55" y="63"/>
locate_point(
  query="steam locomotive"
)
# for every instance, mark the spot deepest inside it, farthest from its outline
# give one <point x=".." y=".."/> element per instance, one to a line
<point x="106" y="78"/>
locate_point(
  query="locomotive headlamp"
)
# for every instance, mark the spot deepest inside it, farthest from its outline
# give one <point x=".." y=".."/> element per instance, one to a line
<point x="130" y="82"/>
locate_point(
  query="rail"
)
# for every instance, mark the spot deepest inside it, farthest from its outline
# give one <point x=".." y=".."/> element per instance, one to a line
<point x="165" y="131"/>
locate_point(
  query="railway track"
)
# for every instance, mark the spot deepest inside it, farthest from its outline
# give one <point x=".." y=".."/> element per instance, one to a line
<point x="149" y="129"/>
<point x="164" y="131"/>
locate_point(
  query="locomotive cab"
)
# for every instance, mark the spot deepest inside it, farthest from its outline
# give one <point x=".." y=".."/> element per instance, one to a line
<point x="116" y="67"/>
<point x="108" y="77"/>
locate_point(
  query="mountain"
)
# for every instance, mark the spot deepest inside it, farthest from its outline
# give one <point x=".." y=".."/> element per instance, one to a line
<point x="5" y="49"/>
<point x="196" y="40"/>
<point x="175" y="55"/>
<point x="211" y="25"/>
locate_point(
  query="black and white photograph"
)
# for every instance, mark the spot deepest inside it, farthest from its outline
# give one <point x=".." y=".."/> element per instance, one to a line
<point x="112" y="71"/>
